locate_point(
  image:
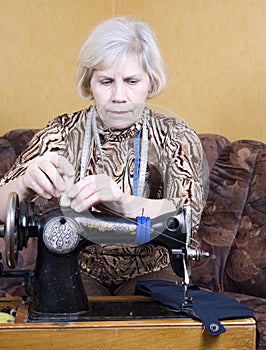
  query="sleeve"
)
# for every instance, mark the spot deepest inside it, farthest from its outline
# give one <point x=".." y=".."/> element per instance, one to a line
<point x="49" y="139"/>
<point x="185" y="171"/>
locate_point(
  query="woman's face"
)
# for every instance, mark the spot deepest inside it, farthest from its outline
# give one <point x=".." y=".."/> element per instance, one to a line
<point x="120" y="92"/>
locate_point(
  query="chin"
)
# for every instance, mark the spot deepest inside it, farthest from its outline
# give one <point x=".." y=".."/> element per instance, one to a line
<point x="120" y="120"/>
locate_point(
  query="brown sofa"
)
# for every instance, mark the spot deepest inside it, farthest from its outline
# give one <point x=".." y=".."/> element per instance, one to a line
<point x="233" y="225"/>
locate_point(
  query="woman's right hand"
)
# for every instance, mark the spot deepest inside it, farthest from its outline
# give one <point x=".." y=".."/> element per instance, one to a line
<point x="45" y="175"/>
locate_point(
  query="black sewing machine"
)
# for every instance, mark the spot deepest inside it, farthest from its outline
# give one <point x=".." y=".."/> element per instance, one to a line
<point x="55" y="286"/>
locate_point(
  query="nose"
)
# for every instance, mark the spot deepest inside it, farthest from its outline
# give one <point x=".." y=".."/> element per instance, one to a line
<point x="119" y="93"/>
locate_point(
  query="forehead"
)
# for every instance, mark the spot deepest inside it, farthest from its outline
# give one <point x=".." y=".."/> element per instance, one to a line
<point x="127" y="66"/>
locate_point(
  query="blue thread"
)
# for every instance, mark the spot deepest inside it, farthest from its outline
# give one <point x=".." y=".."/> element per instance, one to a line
<point x="138" y="230"/>
<point x="136" y="167"/>
<point x="143" y="229"/>
<point x="148" y="229"/>
<point x="142" y="223"/>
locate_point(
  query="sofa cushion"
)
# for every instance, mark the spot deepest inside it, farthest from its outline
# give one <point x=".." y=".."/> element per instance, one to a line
<point x="212" y="145"/>
<point x="19" y="138"/>
<point x="7" y="155"/>
<point x="246" y="265"/>
<point x="11" y="145"/>
<point x="233" y="190"/>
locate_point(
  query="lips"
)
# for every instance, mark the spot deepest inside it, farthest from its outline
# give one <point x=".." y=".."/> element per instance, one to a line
<point x="119" y="112"/>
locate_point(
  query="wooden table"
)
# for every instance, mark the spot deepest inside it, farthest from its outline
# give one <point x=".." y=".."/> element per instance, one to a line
<point x="110" y="333"/>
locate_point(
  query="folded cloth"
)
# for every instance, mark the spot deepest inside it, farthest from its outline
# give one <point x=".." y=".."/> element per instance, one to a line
<point x="206" y="306"/>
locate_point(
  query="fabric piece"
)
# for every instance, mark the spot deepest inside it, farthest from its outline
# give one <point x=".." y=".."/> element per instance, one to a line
<point x="209" y="307"/>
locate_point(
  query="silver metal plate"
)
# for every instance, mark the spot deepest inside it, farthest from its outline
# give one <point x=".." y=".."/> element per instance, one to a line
<point x="61" y="235"/>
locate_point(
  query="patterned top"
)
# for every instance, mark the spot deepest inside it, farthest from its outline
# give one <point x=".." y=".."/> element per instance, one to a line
<point x="174" y="171"/>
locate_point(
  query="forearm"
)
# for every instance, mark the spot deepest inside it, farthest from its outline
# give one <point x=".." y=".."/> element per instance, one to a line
<point x="12" y="186"/>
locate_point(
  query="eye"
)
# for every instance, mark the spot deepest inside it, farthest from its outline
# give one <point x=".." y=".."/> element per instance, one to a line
<point x="106" y="82"/>
<point x="132" y="81"/>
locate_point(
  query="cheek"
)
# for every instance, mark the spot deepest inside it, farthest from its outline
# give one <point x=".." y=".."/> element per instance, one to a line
<point x="142" y="95"/>
<point x="100" y="97"/>
<point x="144" y="91"/>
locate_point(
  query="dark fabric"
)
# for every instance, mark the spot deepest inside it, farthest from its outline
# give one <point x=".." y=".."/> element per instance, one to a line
<point x="207" y="306"/>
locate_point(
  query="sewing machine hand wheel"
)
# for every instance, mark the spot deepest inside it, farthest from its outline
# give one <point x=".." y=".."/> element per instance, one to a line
<point x="11" y="230"/>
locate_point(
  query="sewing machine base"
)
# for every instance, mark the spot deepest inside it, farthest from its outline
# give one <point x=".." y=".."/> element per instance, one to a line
<point x="109" y="308"/>
<point x="108" y="332"/>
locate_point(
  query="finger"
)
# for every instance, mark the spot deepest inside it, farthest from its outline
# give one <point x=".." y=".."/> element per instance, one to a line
<point x="62" y="164"/>
<point x="93" y="190"/>
<point x="41" y="192"/>
<point x="87" y="183"/>
<point x="36" y="180"/>
<point x="84" y="194"/>
<point x="85" y="204"/>
<point x="101" y="185"/>
<point x="53" y="176"/>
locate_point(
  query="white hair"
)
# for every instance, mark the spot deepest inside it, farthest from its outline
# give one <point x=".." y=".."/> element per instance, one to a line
<point x="114" y="40"/>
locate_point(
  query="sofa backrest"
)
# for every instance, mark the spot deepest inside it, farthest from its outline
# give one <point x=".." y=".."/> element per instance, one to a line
<point x="11" y="145"/>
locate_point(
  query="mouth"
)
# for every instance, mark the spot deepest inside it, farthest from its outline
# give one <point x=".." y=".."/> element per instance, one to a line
<point x="119" y="118"/>
<point x="119" y="112"/>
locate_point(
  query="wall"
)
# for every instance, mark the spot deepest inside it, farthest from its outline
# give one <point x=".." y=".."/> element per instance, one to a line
<point x="214" y="52"/>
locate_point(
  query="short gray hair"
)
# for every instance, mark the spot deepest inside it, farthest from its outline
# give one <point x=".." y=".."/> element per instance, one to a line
<point x="114" y="40"/>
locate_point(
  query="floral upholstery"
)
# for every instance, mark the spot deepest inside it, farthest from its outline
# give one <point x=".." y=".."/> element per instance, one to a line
<point x="233" y="224"/>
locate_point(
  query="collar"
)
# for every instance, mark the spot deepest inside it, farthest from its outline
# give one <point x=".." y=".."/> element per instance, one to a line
<point x="118" y="135"/>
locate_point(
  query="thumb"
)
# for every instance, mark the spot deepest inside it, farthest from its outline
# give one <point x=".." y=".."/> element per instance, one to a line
<point x="62" y="164"/>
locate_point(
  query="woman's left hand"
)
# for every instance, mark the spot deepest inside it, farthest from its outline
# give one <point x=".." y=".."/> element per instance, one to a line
<point x="96" y="189"/>
<point x="102" y="189"/>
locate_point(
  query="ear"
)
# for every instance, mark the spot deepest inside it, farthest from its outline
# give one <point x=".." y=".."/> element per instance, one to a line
<point x="150" y="91"/>
<point x="150" y="94"/>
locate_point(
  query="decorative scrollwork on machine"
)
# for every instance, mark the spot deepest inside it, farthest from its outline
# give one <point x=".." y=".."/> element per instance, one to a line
<point x="61" y="235"/>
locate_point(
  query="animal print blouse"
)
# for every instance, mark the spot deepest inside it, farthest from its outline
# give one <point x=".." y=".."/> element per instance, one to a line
<point x="174" y="171"/>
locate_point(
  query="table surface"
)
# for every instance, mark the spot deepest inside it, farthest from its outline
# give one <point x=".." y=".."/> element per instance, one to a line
<point x="111" y="332"/>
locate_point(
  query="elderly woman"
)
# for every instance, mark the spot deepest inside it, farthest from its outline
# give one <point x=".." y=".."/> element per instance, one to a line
<point x="117" y="155"/>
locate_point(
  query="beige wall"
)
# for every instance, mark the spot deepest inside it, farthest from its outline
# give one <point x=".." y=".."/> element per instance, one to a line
<point x="214" y="52"/>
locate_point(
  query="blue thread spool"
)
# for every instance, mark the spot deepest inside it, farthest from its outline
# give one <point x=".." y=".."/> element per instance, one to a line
<point x="143" y="229"/>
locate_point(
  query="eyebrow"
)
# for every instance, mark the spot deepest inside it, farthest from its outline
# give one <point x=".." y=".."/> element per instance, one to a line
<point x="106" y="76"/>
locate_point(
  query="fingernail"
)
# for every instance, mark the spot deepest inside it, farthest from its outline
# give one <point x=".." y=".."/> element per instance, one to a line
<point x="47" y="196"/>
